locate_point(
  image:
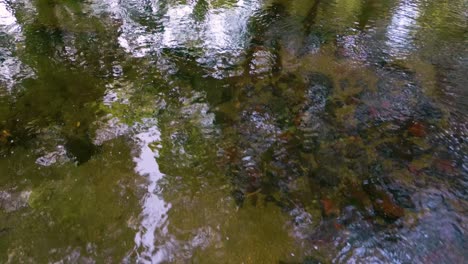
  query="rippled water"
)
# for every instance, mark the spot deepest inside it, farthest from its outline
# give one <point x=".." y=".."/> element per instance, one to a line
<point x="227" y="131"/>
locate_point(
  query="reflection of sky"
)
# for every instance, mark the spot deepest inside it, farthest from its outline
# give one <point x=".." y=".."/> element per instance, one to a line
<point x="7" y="19"/>
<point x="153" y="226"/>
<point x="403" y="24"/>
<point x="219" y="37"/>
<point x="153" y="242"/>
<point x="223" y="29"/>
<point x="10" y="33"/>
<point x="154" y="207"/>
<point x="8" y="23"/>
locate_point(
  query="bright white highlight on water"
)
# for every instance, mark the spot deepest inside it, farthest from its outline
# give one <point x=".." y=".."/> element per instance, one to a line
<point x="403" y="24"/>
<point x="11" y="68"/>
<point x="154" y="213"/>
<point x="6" y="16"/>
<point x="218" y="37"/>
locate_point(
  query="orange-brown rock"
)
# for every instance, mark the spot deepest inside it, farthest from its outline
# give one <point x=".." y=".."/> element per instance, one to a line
<point x="387" y="209"/>
<point x="329" y="208"/>
<point x="417" y="129"/>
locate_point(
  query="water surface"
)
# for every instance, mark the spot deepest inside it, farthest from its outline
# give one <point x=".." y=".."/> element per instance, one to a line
<point x="226" y="131"/>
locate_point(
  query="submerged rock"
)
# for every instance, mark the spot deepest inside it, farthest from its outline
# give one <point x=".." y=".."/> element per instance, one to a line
<point x="417" y="129"/>
<point x="80" y="148"/>
<point x="383" y="203"/>
<point x="13" y="201"/>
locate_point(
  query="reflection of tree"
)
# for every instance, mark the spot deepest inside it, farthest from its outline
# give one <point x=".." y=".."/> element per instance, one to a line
<point x="368" y="10"/>
<point x="309" y="20"/>
<point x="63" y="92"/>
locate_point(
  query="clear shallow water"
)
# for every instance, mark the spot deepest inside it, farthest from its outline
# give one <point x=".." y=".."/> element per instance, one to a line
<point x="233" y="131"/>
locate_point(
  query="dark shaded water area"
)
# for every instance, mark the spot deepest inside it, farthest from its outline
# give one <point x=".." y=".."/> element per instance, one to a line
<point x="225" y="131"/>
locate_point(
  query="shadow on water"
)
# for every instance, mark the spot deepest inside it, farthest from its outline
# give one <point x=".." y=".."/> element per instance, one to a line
<point x="233" y="131"/>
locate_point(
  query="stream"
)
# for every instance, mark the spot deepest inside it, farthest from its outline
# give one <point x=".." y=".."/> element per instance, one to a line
<point x="233" y="131"/>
